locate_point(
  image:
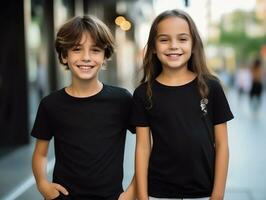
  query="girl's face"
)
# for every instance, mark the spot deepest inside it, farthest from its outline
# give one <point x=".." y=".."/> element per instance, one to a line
<point x="85" y="59"/>
<point x="173" y="43"/>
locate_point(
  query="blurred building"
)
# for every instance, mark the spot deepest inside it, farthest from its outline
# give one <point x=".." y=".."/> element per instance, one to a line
<point x="29" y="68"/>
<point x="13" y="77"/>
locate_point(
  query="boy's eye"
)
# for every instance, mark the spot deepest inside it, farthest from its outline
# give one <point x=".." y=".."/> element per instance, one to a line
<point x="96" y="50"/>
<point x="76" y="49"/>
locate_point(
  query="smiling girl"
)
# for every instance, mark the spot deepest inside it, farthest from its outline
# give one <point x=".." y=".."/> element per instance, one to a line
<point x="180" y="112"/>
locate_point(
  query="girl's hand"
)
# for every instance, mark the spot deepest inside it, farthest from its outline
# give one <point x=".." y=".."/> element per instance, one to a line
<point x="216" y="197"/>
<point x="51" y="190"/>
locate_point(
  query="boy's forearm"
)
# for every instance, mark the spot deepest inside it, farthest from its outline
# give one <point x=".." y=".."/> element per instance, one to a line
<point x="131" y="190"/>
<point x="39" y="168"/>
<point x="39" y="160"/>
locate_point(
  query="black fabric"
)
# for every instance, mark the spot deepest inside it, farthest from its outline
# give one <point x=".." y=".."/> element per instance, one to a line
<point x="183" y="154"/>
<point x="69" y="197"/>
<point x="89" y="138"/>
<point x="256" y="89"/>
<point x="63" y="197"/>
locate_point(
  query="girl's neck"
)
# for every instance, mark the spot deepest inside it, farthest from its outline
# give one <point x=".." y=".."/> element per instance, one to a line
<point x="176" y="77"/>
<point x="84" y="89"/>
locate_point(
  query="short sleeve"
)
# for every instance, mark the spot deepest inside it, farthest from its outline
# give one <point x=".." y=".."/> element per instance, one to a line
<point x="42" y="128"/>
<point x="130" y="126"/>
<point x="139" y="110"/>
<point x="221" y="109"/>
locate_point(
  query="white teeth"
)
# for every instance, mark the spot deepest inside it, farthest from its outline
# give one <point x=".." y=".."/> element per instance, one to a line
<point x="173" y="55"/>
<point x="81" y="67"/>
<point x="84" y="67"/>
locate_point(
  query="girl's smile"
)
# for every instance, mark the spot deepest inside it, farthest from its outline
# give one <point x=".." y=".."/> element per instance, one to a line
<point x="173" y="56"/>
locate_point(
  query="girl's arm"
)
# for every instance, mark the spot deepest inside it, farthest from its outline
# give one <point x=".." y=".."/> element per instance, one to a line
<point x="221" y="161"/>
<point x="39" y="163"/>
<point x="143" y="149"/>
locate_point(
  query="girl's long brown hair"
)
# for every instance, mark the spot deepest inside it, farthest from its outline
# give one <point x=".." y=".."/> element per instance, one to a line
<point x="197" y="62"/>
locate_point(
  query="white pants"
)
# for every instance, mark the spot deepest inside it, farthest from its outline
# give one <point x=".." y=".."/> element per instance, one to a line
<point x="204" y="198"/>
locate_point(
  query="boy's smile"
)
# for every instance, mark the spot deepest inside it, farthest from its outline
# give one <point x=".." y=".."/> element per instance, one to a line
<point x="85" y="68"/>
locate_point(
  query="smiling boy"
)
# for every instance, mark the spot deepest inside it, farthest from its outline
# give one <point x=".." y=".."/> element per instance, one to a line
<point x="87" y="119"/>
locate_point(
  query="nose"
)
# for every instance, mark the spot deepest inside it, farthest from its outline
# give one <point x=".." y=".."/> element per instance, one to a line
<point x="174" y="44"/>
<point x="86" y="57"/>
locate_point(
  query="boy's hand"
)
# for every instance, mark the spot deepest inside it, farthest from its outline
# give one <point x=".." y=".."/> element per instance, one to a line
<point x="51" y="190"/>
<point x="126" y="196"/>
<point x="122" y="196"/>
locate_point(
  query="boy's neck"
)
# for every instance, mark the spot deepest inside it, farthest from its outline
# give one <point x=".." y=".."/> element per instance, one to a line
<point x="176" y="77"/>
<point x="84" y="89"/>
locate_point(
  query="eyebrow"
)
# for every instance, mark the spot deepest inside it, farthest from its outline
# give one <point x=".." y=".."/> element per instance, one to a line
<point x="165" y="35"/>
<point x="80" y="44"/>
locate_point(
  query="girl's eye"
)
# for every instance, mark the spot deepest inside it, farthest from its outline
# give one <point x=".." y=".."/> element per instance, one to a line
<point x="183" y="39"/>
<point x="163" y="40"/>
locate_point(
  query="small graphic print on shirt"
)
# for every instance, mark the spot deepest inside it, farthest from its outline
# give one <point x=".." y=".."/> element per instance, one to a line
<point x="203" y="105"/>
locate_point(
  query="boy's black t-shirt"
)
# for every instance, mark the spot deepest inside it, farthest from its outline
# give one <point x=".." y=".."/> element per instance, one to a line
<point x="183" y="154"/>
<point x="89" y="138"/>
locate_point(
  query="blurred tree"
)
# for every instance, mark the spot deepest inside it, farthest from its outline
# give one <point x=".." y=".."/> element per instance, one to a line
<point x="243" y="32"/>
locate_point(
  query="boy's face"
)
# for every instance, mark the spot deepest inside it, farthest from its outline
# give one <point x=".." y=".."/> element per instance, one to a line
<point x="85" y="59"/>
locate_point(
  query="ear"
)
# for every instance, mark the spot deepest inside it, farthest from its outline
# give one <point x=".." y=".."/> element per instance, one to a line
<point x="64" y="59"/>
<point x="104" y="64"/>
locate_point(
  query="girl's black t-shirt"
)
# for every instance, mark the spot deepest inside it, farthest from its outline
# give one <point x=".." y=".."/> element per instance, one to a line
<point x="183" y="154"/>
<point x="89" y="138"/>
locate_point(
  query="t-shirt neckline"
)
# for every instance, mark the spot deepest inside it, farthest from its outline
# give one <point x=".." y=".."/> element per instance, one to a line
<point x="175" y="86"/>
<point x="83" y="98"/>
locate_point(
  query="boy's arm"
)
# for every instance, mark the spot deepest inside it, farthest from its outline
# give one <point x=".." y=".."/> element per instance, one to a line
<point x="39" y="160"/>
<point x="143" y="149"/>
<point x="39" y="163"/>
<point x="130" y="193"/>
<point x="221" y="161"/>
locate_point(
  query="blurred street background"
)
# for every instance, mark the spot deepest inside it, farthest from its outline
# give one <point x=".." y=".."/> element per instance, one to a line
<point x="234" y="35"/>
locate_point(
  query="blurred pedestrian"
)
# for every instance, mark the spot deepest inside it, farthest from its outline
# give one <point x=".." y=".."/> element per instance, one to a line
<point x="256" y="85"/>
<point x="243" y="81"/>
